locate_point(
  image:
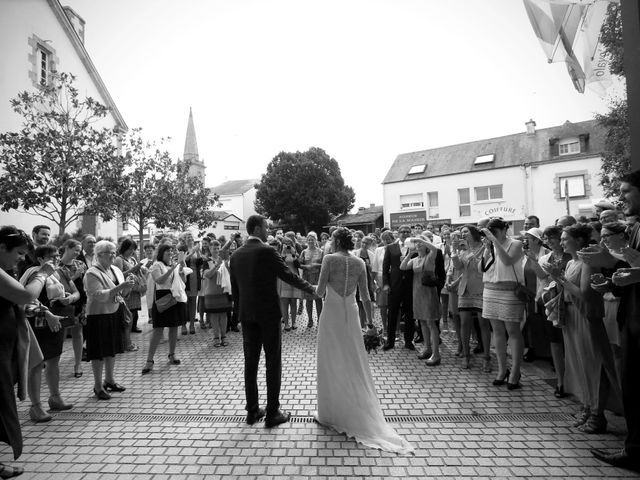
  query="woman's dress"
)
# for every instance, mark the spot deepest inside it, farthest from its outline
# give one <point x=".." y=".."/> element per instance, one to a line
<point x="426" y="301"/>
<point x="309" y="257"/>
<point x="50" y="342"/>
<point x="10" y="432"/>
<point x="347" y="400"/>
<point x="173" y="316"/>
<point x="284" y="289"/>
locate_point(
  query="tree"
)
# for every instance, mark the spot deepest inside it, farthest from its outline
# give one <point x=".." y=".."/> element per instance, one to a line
<point x="616" y="158"/>
<point x="60" y="165"/>
<point x="148" y="171"/>
<point x="185" y="201"/>
<point x="303" y="189"/>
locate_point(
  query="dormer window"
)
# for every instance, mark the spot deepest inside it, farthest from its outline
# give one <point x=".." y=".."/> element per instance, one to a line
<point x="569" y="146"/>
<point x="417" y="169"/>
<point x="481" y="159"/>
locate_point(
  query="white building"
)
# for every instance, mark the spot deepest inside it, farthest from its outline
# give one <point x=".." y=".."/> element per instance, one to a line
<point x="511" y="176"/>
<point x="237" y="199"/>
<point x="37" y="38"/>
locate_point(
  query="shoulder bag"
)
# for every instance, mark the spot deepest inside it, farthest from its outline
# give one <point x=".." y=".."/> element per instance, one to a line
<point x="523" y="293"/>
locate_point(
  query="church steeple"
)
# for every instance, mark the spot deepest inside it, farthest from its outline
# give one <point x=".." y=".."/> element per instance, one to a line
<point x="191" y="156"/>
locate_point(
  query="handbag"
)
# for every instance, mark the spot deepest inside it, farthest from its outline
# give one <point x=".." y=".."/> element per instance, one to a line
<point x="428" y="278"/>
<point x="165" y="302"/>
<point x="127" y="316"/>
<point x="521" y="292"/>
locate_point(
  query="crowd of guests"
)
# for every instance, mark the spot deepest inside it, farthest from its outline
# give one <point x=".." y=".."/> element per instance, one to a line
<point x="569" y="288"/>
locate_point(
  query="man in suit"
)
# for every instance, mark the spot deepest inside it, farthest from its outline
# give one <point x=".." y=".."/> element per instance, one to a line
<point x="255" y="268"/>
<point x="41" y="235"/>
<point x="399" y="284"/>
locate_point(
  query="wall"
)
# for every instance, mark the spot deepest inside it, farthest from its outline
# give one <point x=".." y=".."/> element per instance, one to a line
<point x="526" y="191"/>
<point x="19" y="21"/>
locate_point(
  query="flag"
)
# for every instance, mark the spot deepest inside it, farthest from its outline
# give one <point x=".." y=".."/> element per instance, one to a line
<point x="556" y="26"/>
<point x="568" y="30"/>
<point x="566" y="196"/>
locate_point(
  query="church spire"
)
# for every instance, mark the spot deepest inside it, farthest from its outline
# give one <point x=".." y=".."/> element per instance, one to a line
<point x="190" y="144"/>
<point x="191" y="156"/>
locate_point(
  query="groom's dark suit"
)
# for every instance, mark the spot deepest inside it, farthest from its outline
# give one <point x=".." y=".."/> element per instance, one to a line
<point x="400" y="293"/>
<point x="255" y="268"/>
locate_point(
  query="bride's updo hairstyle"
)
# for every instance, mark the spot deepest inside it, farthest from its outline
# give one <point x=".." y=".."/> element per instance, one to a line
<point x="343" y="239"/>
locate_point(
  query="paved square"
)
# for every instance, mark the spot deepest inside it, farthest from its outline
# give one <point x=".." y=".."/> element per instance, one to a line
<point x="187" y="421"/>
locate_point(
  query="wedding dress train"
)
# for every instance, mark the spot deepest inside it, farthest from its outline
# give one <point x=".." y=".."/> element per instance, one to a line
<point x="347" y="400"/>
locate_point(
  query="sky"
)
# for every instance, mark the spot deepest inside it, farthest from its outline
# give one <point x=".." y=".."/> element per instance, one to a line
<point x="365" y="80"/>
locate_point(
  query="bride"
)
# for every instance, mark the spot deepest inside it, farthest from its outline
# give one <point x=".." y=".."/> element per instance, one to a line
<point x="347" y="400"/>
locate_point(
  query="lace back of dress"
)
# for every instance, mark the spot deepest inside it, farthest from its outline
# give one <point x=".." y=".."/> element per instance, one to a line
<point x="346" y="275"/>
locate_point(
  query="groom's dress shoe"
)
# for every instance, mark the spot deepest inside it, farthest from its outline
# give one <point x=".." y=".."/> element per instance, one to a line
<point x="276" y="419"/>
<point x="387" y="346"/>
<point x="253" y="417"/>
<point x="618" y="459"/>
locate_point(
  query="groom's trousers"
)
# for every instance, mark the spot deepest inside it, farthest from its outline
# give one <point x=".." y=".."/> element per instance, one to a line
<point x="256" y="336"/>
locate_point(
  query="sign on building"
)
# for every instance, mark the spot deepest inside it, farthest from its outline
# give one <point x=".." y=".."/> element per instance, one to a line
<point x="408" y="218"/>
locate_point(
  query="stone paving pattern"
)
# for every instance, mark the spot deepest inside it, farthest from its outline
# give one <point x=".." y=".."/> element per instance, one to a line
<point x="209" y="382"/>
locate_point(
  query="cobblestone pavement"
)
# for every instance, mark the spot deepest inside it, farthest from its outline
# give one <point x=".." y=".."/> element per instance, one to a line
<point x="187" y="421"/>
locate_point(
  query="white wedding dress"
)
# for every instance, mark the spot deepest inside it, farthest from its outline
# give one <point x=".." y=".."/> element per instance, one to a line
<point x="347" y="400"/>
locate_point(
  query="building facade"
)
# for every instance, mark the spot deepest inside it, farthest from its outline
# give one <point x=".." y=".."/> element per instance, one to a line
<point x="236" y="203"/>
<point x="37" y="39"/>
<point x="367" y="219"/>
<point x="513" y="176"/>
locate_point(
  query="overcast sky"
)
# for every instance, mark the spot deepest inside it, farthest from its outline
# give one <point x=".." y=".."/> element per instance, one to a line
<point x="365" y="80"/>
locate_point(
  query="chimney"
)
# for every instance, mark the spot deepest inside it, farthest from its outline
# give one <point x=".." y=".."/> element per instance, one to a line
<point x="531" y="127"/>
<point x="76" y="21"/>
<point x="371" y="205"/>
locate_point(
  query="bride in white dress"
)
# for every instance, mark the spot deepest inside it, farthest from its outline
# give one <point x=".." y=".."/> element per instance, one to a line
<point x="347" y="400"/>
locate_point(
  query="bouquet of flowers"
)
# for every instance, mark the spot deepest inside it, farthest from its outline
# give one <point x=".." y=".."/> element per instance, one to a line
<point x="372" y="338"/>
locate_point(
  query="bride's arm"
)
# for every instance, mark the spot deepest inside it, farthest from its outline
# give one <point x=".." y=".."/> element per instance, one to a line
<point x="324" y="277"/>
<point x="363" y="287"/>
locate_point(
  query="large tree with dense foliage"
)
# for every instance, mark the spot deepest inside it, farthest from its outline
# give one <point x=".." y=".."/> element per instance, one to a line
<point x="185" y="201"/>
<point x="61" y="164"/>
<point x="616" y="158"/>
<point x="303" y="189"/>
<point x="148" y="171"/>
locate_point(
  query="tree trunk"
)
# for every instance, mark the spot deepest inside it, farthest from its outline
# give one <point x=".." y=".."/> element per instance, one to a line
<point x="140" y="234"/>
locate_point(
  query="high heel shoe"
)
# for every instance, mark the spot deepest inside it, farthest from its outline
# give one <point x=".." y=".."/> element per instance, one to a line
<point x="56" y="404"/>
<point x="486" y="365"/>
<point x="77" y="372"/>
<point x="515" y="385"/>
<point x="173" y="360"/>
<point x="466" y="362"/>
<point x="38" y="415"/>
<point x="101" y="395"/>
<point x="434" y="362"/>
<point x="113" y="387"/>
<point x="148" y="367"/>
<point x="502" y="380"/>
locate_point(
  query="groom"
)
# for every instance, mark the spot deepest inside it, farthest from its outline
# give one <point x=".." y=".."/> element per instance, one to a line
<point x="255" y="268"/>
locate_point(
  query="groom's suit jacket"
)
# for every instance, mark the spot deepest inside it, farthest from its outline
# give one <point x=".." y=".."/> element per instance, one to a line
<point x="255" y="269"/>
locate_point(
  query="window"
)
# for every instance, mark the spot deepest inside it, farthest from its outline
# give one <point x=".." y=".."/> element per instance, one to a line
<point x="569" y="146"/>
<point x="43" y="66"/>
<point x="464" y="202"/>
<point x="491" y="192"/>
<point x="42" y="61"/>
<point x="411" y="201"/>
<point x="417" y="169"/>
<point x="575" y="184"/>
<point x="480" y="159"/>
<point x="432" y="201"/>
